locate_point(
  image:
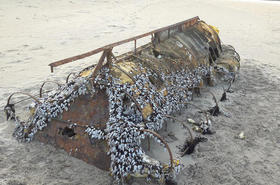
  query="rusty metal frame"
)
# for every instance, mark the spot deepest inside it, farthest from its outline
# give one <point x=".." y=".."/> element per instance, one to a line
<point x="154" y="34"/>
<point x="48" y="81"/>
<point x="27" y="94"/>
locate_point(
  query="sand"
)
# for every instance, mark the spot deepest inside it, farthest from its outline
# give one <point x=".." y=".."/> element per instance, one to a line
<point x="34" y="33"/>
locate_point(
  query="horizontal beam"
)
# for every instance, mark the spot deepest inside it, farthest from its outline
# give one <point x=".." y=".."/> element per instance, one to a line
<point x="188" y="22"/>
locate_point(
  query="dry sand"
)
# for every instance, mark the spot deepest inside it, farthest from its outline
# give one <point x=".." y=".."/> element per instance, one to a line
<point x="34" y="33"/>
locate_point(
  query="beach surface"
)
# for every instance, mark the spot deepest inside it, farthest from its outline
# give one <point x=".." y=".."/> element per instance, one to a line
<point x="34" y="33"/>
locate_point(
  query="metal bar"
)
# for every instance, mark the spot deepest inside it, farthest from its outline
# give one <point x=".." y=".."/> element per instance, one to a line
<point x="100" y="63"/>
<point x="109" y="57"/>
<point x="27" y="94"/>
<point x="164" y="142"/>
<point x="30" y="98"/>
<point x="90" y="53"/>
<point x="48" y="81"/>
<point x="135" y="46"/>
<point x="169" y="33"/>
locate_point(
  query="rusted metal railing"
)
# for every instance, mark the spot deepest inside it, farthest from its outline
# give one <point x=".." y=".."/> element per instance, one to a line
<point x="154" y="34"/>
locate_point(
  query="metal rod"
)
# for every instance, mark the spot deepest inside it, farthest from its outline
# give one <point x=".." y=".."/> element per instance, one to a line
<point x="135" y="46"/>
<point x="164" y="142"/>
<point x="189" y="22"/>
<point x="99" y="64"/>
<point x="29" y="98"/>
<point x="27" y="94"/>
<point x="41" y="89"/>
<point x="169" y="33"/>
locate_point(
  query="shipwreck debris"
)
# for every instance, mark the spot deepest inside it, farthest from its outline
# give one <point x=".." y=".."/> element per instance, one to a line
<point x="102" y="115"/>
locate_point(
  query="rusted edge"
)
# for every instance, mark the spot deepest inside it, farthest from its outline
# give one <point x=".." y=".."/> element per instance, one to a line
<point x="27" y="94"/>
<point x="41" y="89"/>
<point x="188" y="22"/>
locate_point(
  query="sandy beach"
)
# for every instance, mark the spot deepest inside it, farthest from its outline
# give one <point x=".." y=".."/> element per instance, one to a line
<point x="34" y="33"/>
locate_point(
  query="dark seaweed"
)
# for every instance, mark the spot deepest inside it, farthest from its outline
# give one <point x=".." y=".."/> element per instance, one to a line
<point x="214" y="111"/>
<point x="169" y="181"/>
<point x="224" y="96"/>
<point x="10" y="111"/>
<point x="189" y="146"/>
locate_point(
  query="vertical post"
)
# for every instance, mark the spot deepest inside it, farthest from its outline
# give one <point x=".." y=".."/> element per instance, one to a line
<point x="180" y="28"/>
<point x="157" y="37"/>
<point x="135" y="46"/>
<point x="99" y="64"/>
<point x="168" y="32"/>
<point x="153" y="40"/>
<point x="109" y="56"/>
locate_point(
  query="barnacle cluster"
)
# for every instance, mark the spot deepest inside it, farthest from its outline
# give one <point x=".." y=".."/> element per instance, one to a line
<point x="50" y="107"/>
<point x="124" y="129"/>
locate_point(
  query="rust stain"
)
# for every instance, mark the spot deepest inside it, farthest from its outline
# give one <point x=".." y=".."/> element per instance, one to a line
<point x="84" y="111"/>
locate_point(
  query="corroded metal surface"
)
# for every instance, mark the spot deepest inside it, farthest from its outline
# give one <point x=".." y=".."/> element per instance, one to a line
<point x="84" y="111"/>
